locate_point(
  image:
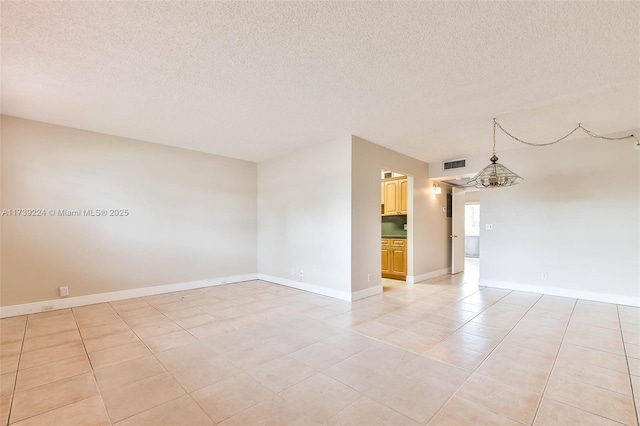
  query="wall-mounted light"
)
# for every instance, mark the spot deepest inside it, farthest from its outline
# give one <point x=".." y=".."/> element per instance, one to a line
<point x="436" y="189"/>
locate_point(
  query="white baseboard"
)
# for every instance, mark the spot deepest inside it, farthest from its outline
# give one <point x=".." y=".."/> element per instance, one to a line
<point x="324" y="291"/>
<point x="564" y="292"/>
<point x="91" y="299"/>
<point x="367" y="292"/>
<point x="417" y="278"/>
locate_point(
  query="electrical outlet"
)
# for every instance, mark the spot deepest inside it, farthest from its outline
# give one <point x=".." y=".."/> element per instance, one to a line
<point x="488" y="227"/>
<point x="301" y="274"/>
<point x="369" y="277"/>
<point x="64" y="291"/>
<point x="545" y="276"/>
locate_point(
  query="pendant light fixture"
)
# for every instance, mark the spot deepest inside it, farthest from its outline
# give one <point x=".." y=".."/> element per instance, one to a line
<point x="495" y="175"/>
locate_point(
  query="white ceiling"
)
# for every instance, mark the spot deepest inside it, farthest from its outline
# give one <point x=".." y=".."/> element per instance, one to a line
<point x="260" y="79"/>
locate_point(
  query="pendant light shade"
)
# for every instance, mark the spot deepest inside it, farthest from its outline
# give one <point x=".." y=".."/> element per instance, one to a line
<point x="495" y="175"/>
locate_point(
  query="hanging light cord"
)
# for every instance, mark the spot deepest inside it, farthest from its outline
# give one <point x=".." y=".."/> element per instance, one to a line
<point x="578" y="127"/>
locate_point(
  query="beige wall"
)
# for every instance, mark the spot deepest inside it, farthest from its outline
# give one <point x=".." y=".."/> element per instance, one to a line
<point x="191" y="216"/>
<point x="304" y="217"/>
<point x="429" y="245"/>
<point x="575" y="217"/>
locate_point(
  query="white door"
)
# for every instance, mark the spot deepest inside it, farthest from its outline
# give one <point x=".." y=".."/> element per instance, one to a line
<point x="457" y="231"/>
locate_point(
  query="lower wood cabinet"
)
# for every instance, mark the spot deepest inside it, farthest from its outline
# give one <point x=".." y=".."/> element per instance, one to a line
<point x="394" y="258"/>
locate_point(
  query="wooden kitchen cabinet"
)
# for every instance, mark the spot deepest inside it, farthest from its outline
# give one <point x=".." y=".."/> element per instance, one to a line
<point x="394" y="258"/>
<point x="394" y="196"/>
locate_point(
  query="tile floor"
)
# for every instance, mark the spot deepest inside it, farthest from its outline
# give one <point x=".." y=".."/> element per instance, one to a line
<point x="443" y="352"/>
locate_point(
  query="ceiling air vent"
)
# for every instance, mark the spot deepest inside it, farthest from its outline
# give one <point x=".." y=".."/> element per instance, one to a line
<point x="459" y="163"/>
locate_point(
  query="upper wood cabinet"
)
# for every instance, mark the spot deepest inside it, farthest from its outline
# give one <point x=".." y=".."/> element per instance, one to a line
<point x="394" y="196"/>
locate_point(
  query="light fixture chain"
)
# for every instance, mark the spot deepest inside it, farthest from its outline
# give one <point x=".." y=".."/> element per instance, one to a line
<point x="578" y="127"/>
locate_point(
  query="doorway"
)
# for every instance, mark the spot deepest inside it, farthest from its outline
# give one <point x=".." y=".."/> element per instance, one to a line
<point x="395" y="206"/>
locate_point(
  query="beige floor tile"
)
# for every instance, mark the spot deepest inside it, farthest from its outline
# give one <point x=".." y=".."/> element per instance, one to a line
<point x="183" y="313"/>
<point x="175" y="305"/>
<point x="291" y="341"/>
<point x="9" y="363"/>
<point x="602" y="402"/>
<point x="196" y="365"/>
<point x="358" y="372"/>
<point x="228" y="313"/>
<point x="554" y="413"/>
<point x="10" y="349"/>
<point x="195" y="321"/>
<point x="138" y="313"/>
<point x="374" y="329"/>
<point x="128" y="372"/>
<point x="7" y="383"/>
<point x="367" y="412"/>
<point x="12" y="334"/>
<point x="515" y="403"/>
<point x="281" y="373"/>
<point x="595" y="357"/>
<point x="50" y="314"/>
<point x="410" y="341"/>
<point x="102" y="330"/>
<point x="180" y="411"/>
<point x="110" y="341"/>
<point x="632" y="351"/>
<point x="99" y="314"/>
<point x="635" y="382"/>
<point x="321" y="396"/>
<point x="417" y="399"/>
<point x="471" y="342"/>
<point x="230" y="396"/>
<point x="47" y="326"/>
<point x="349" y="342"/>
<point x="272" y="411"/>
<point x="168" y="341"/>
<point x="425" y="369"/>
<point x="52" y="372"/>
<point x="483" y="330"/>
<point x="515" y="372"/>
<point x="52" y="354"/>
<point x="49" y="341"/>
<point x="89" y="411"/>
<point x="449" y="354"/>
<point x="386" y="357"/>
<point x="633" y="365"/>
<point x="118" y="354"/>
<point x="5" y="405"/>
<point x="48" y="397"/>
<point x="459" y="411"/>
<point x="147" y="320"/>
<point x="140" y="396"/>
<point x="320" y="355"/>
<point x="257" y="353"/>
<point x="158" y="329"/>
<point x="593" y="375"/>
<point x="211" y="329"/>
<point x="599" y="343"/>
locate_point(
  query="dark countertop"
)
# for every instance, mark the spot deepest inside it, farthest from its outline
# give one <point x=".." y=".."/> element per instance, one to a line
<point x="395" y="236"/>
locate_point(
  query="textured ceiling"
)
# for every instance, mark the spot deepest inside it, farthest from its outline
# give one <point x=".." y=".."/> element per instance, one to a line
<point x="258" y="80"/>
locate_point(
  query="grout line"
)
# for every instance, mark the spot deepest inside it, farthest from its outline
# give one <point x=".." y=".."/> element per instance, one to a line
<point x="626" y="358"/>
<point x="555" y="360"/>
<point x="15" y="380"/>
